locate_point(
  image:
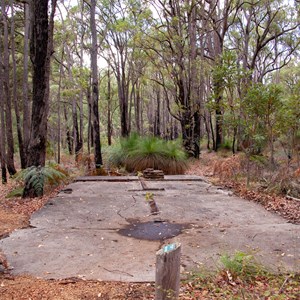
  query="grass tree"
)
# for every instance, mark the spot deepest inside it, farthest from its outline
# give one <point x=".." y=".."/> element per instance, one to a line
<point x="138" y="153"/>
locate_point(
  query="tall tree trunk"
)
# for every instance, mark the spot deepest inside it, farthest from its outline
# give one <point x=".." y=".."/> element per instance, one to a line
<point x="26" y="102"/>
<point x="193" y="74"/>
<point x="59" y="109"/>
<point x="15" y="100"/>
<point x="2" y="116"/>
<point x="80" y="141"/>
<point x="109" y="119"/>
<point x="40" y="53"/>
<point x="7" y="95"/>
<point x="76" y="140"/>
<point x="41" y="48"/>
<point x="90" y="140"/>
<point x="95" y="89"/>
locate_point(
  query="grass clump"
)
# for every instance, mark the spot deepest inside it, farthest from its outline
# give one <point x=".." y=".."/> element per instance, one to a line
<point x="240" y="266"/>
<point x="138" y="153"/>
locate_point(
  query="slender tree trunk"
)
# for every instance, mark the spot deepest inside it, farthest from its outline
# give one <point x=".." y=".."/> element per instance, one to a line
<point x="138" y="107"/>
<point x="123" y="109"/>
<point x="109" y="120"/>
<point x="157" y="114"/>
<point x="26" y="102"/>
<point x="59" y="109"/>
<point x="7" y="95"/>
<point x="141" y="112"/>
<point x="193" y="78"/>
<point x="76" y="134"/>
<point x="95" y="89"/>
<point x="15" y="100"/>
<point x="219" y="124"/>
<point x="90" y="125"/>
<point x="2" y="115"/>
<point x="68" y="132"/>
<point x="212" y="131"/>
<point x="80" y="142"/>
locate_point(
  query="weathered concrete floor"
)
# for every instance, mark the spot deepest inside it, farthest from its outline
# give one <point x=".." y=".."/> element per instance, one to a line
<point x="77" y="234"/>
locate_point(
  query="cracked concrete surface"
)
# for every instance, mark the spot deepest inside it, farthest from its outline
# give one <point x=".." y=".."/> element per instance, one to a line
<point x="78" y="234"/>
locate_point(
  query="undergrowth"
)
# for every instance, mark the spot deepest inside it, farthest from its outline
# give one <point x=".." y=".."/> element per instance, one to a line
<point x="256" y="171"/>
<point x="241" y="277"/>
<point x="38" y="178"/>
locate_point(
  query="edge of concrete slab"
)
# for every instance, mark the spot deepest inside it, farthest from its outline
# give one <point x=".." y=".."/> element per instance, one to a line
<point x="136" y="178"/>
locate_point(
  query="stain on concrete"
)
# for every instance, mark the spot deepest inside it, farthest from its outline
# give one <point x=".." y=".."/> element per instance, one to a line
<point x="156" y="230"/>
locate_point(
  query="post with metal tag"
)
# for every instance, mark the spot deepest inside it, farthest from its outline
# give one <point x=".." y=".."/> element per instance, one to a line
<point x="167" y="278"/>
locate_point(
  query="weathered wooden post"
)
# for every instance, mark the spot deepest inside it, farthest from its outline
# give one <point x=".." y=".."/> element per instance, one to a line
<point x="167" y="278"/>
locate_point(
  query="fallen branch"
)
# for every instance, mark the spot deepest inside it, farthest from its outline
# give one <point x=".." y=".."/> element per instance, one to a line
<point x="292" y="198"/>
<point x="284" y="283"/>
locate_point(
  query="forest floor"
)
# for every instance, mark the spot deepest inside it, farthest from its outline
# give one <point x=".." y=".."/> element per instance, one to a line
<point x="15" y="213"/>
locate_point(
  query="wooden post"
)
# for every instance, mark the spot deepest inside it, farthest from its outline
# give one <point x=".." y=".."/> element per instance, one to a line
<point x="167" y="279"/>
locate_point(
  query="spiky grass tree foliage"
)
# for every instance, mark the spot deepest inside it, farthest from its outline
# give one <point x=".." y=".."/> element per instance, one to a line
<point x="138" y="153"/>
<point x="38" y="178"/>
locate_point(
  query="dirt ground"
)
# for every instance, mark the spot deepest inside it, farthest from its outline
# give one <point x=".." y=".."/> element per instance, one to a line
<point x="15" y="213"/>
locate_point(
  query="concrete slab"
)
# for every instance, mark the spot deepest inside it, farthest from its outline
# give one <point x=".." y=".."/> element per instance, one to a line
<point x="77" y="233"/>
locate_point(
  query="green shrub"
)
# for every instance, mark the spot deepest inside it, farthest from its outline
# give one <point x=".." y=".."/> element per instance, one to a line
<point x="240" y="265"/>
<point x="226" y="145"/>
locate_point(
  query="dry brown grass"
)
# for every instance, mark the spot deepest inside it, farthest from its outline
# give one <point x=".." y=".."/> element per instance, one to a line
<point x="157" y="162"/>
<point x="227" y="168"/>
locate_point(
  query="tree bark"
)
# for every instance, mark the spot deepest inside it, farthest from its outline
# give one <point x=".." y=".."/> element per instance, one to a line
<point x="40" y="53"/>
<point x="68" y="132"/>
<point x="109" y="119"/>
<point x="15" y="100"/>
<point x="7" y="95"/>
<point x="26" y="102"/>
<point x="2" y="116"/>
<point x="95" y="88"/>
<point x="41" y="48"/>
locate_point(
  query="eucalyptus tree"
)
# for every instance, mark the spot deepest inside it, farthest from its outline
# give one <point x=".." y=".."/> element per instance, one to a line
<point x="7" y="92"/>
<point x="95" y="86"/>
<point x="266" y="37"/>
<point x="219" y="17"/>
<point x="123" y="21"/>
<point x="2" y="116"/>
<point x="41" y="49"/>
<point x="288" y="123"/>
<point x="25" y="84"/>
<point x="172" y="48"/>
<point x="15" y="86"/>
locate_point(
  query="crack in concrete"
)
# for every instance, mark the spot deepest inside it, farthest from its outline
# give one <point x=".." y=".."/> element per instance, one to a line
<point x="120" y="210"/>
<point x="118" y="272"/>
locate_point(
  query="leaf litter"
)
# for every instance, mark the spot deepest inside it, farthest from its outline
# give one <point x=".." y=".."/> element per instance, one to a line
<point x="15" y="213"/>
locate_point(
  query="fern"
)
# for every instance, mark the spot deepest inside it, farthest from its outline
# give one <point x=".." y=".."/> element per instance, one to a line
<point x="36" y="178"/>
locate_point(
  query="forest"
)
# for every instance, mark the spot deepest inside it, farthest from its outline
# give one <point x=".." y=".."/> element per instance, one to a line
<point x="76" y="76"/>
<point x="112" y="87"/>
